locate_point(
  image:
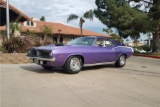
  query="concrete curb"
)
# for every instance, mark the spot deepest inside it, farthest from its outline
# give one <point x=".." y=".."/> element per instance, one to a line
<point x="150" y="56"/>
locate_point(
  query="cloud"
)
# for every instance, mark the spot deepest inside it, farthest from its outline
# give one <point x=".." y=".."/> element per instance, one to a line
<point x="59" y="10"/>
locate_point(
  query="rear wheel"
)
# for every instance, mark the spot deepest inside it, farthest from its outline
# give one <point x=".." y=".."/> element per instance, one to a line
<point x="121" y="61"/>
<point x="73" y="65"/>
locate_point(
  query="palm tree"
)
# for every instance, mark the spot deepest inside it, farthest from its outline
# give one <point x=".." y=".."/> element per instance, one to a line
<point x="86" y="15"/>
<point x="46" y="30"/>
<point x="108" y="31"/>
<point x="14" y="27"/>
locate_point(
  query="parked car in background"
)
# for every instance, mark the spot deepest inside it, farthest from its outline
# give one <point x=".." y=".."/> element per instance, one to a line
<point x="142" y="51"/>
<point x="80" y="52"/>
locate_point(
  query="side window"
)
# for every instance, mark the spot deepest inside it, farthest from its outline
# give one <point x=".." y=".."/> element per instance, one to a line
<point x="100" y="42"/>
<point x="103" y="42"/>
<point x="112" y="43"/>
<point x="109" y="43"/>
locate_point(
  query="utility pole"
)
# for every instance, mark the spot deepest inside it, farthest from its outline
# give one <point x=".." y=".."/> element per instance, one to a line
<point x="7" y="18"/>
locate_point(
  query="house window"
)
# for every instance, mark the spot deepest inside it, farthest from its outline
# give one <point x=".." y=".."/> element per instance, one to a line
<point x="61" y="39"/>
<point x="32" y="24"/>
<point x="54" y="39"/>
<point x="28" y="23"/>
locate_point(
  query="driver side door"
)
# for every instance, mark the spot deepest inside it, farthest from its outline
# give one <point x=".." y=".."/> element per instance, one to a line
<point x="103" y="51"/>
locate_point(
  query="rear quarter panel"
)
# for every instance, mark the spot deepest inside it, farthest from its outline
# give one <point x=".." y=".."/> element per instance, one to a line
<point x="123" y="50"/>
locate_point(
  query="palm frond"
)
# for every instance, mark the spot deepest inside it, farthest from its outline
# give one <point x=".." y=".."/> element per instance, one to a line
<point x="72" y="17"/>
<point x="46" y="29"/>
<point x="14" y="26"/>
<point x="88" y="14"/>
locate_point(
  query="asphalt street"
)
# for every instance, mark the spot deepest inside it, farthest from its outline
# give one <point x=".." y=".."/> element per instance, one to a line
<point x="29" y="85"/>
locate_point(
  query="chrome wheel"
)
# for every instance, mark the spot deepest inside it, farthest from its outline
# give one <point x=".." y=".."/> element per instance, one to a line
<point x="75" y="64"/>
<point x="122" y="60"/>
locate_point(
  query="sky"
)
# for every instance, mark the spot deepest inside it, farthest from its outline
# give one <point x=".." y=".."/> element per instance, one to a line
<point x="59" y="10"/>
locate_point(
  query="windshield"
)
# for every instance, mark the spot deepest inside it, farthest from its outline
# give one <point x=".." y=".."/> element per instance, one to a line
<point x="82" y="41"/>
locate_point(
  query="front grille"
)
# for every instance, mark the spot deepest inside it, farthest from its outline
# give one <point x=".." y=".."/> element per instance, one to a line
<point x="40" y="53"/>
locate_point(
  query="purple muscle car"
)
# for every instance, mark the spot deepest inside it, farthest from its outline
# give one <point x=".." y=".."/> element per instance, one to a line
<point x="82" y="51"/>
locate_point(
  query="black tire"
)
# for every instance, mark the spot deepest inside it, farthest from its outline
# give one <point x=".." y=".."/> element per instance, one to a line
<point x="47" y="67"/>
<point x="73" y="65"/>
<point x="121" y="61"/>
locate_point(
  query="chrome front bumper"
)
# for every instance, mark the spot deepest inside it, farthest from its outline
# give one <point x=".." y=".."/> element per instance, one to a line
<point x="43" y="59"/>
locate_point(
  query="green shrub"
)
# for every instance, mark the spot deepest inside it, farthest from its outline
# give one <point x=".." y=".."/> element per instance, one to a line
<point x="20" y="44"/>
<point x="1" y="49"/>
<point x="146" y="48"/>
<point x="136" y="51"/>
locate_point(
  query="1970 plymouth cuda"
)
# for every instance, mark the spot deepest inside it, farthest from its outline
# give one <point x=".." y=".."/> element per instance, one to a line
<point x="82" y="51"/>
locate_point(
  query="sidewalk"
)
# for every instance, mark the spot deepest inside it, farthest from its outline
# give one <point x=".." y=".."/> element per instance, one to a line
<point x="151" y="56"/>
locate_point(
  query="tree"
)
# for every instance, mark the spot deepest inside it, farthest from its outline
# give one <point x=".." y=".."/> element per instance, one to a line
<point x="86" y="15"/>
<point x="108" y="31"/>
<point x="42" y="19"/>
<point x="14" y="27"/>
<point x="46" y="30"/>
<point x="131" y="17"/>
<point x="117" y="38"/>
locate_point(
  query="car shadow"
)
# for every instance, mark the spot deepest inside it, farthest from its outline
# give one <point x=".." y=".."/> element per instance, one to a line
<point x="39" y="69"/>
<point x="98" y="67"/>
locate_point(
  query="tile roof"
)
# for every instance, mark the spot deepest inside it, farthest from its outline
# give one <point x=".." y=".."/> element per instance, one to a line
<point x="15" y="10"/>
<point x="65" y="29"/>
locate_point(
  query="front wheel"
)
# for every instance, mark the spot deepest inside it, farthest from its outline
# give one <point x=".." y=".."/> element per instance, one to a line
<point x="121" y="61"/>
<point x="73" y="65"/>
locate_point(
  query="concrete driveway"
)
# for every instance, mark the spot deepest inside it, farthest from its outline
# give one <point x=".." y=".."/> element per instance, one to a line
<point x="135" y="85"/>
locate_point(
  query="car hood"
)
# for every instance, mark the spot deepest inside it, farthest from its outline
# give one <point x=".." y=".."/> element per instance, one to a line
<point x="54" y="47"/>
